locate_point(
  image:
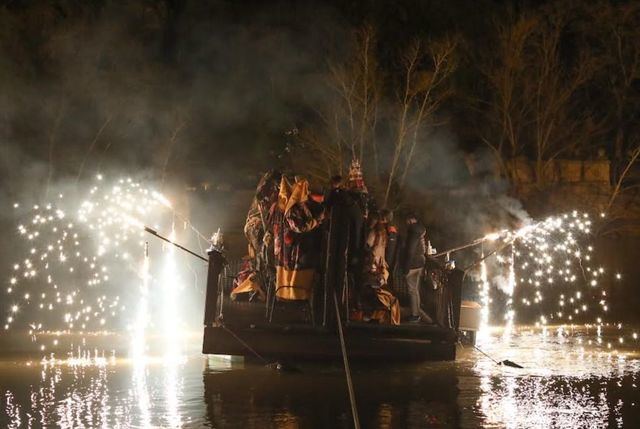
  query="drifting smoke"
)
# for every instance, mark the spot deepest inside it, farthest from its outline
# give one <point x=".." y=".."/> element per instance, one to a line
<point x="172" y="93"/>
<point x="164" y="86"/>
<point x="514" y="207"/>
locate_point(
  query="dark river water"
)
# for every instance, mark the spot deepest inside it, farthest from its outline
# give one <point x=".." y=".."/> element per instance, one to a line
<point x="565" y="383"/>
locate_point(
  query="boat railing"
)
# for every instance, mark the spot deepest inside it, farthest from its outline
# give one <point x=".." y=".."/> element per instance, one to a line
<point x="333" y="277"/>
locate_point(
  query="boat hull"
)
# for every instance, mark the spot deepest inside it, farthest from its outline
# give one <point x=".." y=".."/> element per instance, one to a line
<point x="364" y="342"/>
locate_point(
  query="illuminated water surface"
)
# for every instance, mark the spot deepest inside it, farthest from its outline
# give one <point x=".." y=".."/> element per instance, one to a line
<point x="565" y="383"/>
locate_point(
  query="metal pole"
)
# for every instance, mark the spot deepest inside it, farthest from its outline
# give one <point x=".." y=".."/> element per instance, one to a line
<point x="154" y="232"/>
<point x="493" y="252"/>
<point x="455" y="249"/>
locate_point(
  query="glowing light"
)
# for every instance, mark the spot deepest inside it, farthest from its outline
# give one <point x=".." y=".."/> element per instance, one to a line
<point x="75" y="248"/>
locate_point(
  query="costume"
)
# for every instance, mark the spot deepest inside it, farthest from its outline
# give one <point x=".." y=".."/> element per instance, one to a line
<point x="246" y="281"/>
<point x="376" y="272"/>
<point x="257" y="231"/>
<point x="296" y="248"/>
<point x="259" y="217"/>
<point x="373" y="267"/>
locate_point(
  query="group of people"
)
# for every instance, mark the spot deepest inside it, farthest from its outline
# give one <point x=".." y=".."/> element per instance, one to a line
<point x="287" y="228"/>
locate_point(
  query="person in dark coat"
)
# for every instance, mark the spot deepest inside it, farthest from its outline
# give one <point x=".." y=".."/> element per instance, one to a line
<point x="412" y="260"/>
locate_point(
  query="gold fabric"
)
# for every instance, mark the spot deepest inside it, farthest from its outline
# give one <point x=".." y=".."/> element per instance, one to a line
<point x="299" y="194"/>
<point x="391" y="302"/>
<point x="294" y="284"/>
<point x="249" y="285"/>
<point x="284" y="194"/>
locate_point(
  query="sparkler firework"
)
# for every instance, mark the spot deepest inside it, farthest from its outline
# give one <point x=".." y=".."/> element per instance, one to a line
<point x="82" y="260"/>
<point x="547" y="271"/>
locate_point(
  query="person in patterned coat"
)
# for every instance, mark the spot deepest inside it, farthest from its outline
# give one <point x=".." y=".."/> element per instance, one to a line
<point x="296" y="250"/>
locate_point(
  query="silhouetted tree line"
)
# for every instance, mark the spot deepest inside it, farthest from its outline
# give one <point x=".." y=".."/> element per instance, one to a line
<point x="171" y="85"/>
<point x="557" y="81"/>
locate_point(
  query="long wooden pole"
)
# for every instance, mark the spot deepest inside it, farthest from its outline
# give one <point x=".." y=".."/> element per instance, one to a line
<point x="347" y="370"/>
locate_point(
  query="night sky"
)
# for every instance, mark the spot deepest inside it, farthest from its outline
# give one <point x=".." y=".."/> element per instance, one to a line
<point x="189" y="92"/>
<point x="111" y="84"/>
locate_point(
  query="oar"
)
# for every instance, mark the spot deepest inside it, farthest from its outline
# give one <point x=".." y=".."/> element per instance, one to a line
<point x="505" y="362"/>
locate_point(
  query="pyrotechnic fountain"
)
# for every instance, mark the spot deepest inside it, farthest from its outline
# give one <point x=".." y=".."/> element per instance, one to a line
<point x="547" y="268"/>
<point x="88" y="271"/>
<point x="81" y="266"/>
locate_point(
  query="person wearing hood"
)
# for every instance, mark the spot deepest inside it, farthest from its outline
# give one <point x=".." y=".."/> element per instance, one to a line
<point x="257" y="266"/>
<point x="295" y="249"/>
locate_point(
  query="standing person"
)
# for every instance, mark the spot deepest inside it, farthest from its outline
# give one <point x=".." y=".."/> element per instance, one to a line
<point x="257" y="268"/>
<point x="376" y="272"/>
<point x="412" y="262"/>
<point x="295" y="250"/>
<point x="391" y="251"/>
<point x="360" y="202"/>
<point x="257" y="228"/>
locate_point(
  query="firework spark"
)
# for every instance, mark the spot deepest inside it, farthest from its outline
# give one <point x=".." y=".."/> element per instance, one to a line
<point x="79" y="259"/>
<point x="550" y="268"/>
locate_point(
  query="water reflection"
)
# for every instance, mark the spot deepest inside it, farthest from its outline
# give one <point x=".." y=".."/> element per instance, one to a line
<point x="317" y="397"/>
<point x="72" y="396"/>
<point x="97" y="392"/>
<point x="564" y="384"/>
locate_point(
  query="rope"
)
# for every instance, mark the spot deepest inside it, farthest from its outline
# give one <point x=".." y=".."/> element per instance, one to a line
<point x="477" y="348"/>
<point x="347" y="370"/>
<point x="244" y="343"/>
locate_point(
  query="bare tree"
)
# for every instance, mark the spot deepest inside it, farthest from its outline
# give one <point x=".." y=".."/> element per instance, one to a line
<point x="348" y="124"/>
<point x="504" y="111"/>
<point x="357" y="83"/>
<point x="623" y="204"/>
<point x="619" y="189"/>
<point x="560" y="122"/>
<point x="426" y="87"/>
<point x="618" y="43"/>
<point x="537" y="106"/>
<point x="347" y="120"/>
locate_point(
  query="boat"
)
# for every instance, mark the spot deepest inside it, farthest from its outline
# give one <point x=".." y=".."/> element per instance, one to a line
<point x="292" y="331"/>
